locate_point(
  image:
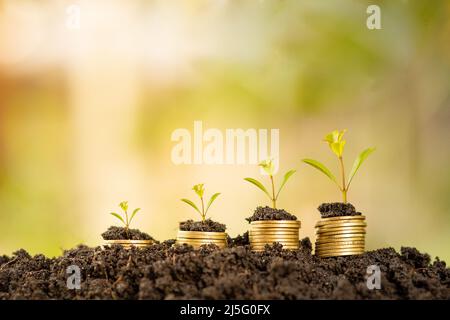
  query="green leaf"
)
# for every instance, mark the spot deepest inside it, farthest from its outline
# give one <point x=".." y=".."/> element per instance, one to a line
<point x="214" y="196"/>
<point x="259" y="185"/>
<point x="134" y="213"/>
<point x="189" y="202"/>
<point x="332" y="136"/>
<point x="124" y="205"/>
<point x="358" y="162"/>
<point x="268" y="166"/>
<point x="338" y="148"/>
<point x="335" y="141"/>
<point x="118" y="217"/>
<point x="319" y="166"/>
<point x="285" y="179"/>
<point x="199" y="189"/>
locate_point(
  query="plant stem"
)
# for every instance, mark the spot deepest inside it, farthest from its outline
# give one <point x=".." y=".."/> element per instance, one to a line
<point x="274" y="200"/>
<point x="344" y="186"/>
<point x="127" y="224"/>
<point x="203" y="209"/>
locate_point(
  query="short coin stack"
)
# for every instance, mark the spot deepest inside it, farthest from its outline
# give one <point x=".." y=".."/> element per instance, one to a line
<point x="199" y="238"/>
<point x="127" y="244"/>
<point x="340" y="236"/>
<point x="264" y="232"/>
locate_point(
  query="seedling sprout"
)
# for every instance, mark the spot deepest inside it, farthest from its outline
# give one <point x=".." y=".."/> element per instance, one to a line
<point x="199" y="189"/>
<point x="269" y="167"/>
<point x="336" y="143"/>
<point x="127" y="221"/>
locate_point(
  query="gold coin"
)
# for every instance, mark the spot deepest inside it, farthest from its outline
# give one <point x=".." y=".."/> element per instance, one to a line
<point x="340" y="233"/>
<point x="340" y="218"/>
<point x="272" y="242"/>
<point x="274" y="236"/>
<point x="289" y="230"/>
<point x="337" y="251"/>
<point x="334" y="222"/>
<point x="200" y="240"/>
<point x="262" y="248"/>
<point x="287" y="242"/>
<point x="329" y="239"/>
<point x="340" y="241"/>
<point x="339" y="254"/>
<point x="275" y="224"/>
<point x="339" y="247"/>
<point x="341" y="236"/>
<point x="276" y="231"/>
<point x="336" y="231"/>
<point x="342" y="225"/>
<point x="262" y="243"/>
<point x="324" y="252"/>
<point x="198" y="245"/>
<point x="284" y="246"/>
<point x="274" y="239"/>
<point x="258" y="222"/>
<point x="331" y="235"/>
<point x="201" y="235"/>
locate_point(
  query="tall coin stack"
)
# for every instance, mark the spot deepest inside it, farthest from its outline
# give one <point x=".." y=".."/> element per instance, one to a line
<point x="340" y="236"/>
<point x="264" y="232"/>
<point x="199" y="238"/>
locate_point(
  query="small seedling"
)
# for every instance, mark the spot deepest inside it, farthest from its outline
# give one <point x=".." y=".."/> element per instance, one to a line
<point x="200" y="190"/>
<point x="269" y="168"/>
<point x="336" y="143"/>
<point x="127" y="221"/>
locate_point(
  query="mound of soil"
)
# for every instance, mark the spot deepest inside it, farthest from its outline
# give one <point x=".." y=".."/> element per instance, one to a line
<point x="268" y="213"/>
<point x="337" y="209"/>
<point x="164" y="272"/>
<point x="208" y="225"/>
<point x="120" y="233"/>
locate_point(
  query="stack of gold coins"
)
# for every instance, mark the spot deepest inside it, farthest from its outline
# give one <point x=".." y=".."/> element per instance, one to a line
<point x="127" y="244"/>
<point x="199" y="238"/>
<point x="264" y="232"/>
<point x="340" y="236"/>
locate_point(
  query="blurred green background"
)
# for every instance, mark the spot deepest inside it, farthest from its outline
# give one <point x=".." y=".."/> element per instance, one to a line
<point x="86" y="114"/>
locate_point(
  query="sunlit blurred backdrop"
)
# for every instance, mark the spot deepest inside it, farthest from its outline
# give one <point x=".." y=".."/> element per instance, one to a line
<point x="90" y="92"/>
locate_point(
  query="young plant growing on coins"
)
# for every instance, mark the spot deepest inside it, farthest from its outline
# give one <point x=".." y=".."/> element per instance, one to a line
<point x="269" y="168"/>
<point x="199" y="190"/>
<point x="125" y="217"/>
<point x="270" y="224"/>
<point x="341" y="231"/>
<point x="206" y="231"/>
<point x="122" y="235"/>
<point x="336" y="143"/>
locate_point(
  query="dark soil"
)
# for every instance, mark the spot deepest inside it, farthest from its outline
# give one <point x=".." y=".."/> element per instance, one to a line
<point x="207" y="225"/>
<point x="120" y="233"/>
<point x="164" y="272"/>
<point x="268" y="213"/>
<point x="337" y="209"/>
